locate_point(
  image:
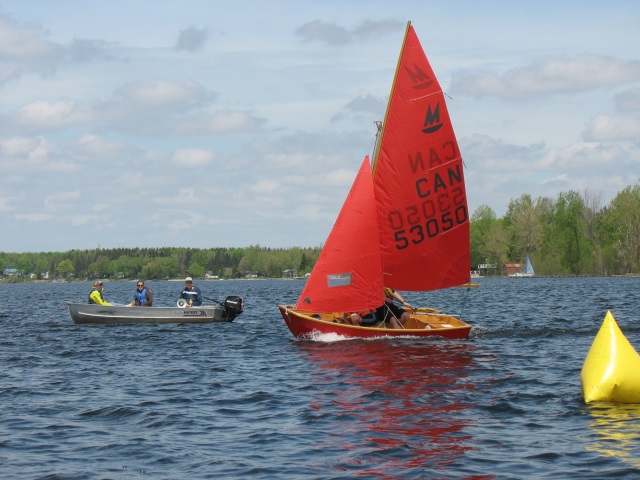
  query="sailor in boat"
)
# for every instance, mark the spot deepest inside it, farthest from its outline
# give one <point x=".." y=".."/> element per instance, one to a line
<point x="142" y="296"/>
<point x="191" y="294"/>
<point x="96" y="294"/>
<point x="392" y="313"/>
<point x="389" y="313"/>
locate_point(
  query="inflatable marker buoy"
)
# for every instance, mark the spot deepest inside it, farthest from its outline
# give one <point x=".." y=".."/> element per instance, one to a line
<point x="611" y="371"/>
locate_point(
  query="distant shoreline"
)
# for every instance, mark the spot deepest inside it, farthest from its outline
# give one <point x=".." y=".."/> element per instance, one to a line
<point x="6" y="281"/>
<point x="131" y="280"/>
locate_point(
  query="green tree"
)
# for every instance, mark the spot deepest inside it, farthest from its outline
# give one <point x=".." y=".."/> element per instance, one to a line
<point x="160" y="268"/>
<point x="497" y="246"/>
<point x="41" y="267"/>
<point x="483" y="222"/>
<point x="525" y="226"/>
<point x="569" y="232"/>
<point x="304" y="264"/>
<point x="65" y="268"/>
<point x="196" y="270"/>
<point x="624" y="220"/>
<point x="592" y="214"/>
<point x="101" y="267"/>
<point x="25" y="265"/>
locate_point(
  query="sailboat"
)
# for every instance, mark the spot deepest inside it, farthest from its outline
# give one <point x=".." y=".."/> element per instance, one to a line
<point x="527" y="272"/>
<point x="404" y="224"/>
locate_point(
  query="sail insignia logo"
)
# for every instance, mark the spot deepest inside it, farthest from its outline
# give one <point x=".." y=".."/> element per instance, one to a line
<point x="419" y="78"/>
<point x="432" y="121"/>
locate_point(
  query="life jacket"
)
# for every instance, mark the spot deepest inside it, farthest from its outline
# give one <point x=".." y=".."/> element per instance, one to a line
<point x="141" y="296"/>
<point x="91" y="299"/>
<point x="368" y="317"/>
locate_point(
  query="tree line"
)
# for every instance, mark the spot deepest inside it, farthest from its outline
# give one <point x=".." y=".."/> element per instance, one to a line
<point x="573" y="234"/>
<point x="159" y="263"/>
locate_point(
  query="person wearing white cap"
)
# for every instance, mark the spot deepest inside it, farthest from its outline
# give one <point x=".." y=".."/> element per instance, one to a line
<point x="191" y="293"/>
<point x="96" y="294"/>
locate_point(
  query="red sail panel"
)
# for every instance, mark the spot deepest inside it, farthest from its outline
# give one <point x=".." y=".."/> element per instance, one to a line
<point x="348" y="274"/>
<point x="419" y="183"/>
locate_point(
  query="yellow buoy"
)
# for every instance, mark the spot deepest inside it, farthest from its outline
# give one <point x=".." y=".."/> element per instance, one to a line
<point x="611" y="371"/>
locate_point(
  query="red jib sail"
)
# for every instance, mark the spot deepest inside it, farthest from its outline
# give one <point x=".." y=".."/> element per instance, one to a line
<point x="348" y="274"/>
<point x="419" y="182"/>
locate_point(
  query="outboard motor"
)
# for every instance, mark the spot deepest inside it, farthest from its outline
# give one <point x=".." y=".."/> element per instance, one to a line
<point x="233" y="306"/>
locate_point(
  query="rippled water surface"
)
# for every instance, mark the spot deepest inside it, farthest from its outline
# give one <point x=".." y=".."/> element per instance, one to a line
<point x="244" y="400"/>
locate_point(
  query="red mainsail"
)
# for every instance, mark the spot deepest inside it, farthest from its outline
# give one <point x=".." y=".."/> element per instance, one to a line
<point x="348" y="274"/>
<point x="419" y="182"/>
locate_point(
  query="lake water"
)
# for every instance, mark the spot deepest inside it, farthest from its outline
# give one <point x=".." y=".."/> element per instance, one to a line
<point x="244" y="400"/>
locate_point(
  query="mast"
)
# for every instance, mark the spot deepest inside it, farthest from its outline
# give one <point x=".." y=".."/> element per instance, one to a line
<point x="380" y="132"/>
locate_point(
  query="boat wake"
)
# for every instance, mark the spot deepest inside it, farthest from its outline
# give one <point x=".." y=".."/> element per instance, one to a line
<point x="332" y="337"/>
<point x="326" y="337"/>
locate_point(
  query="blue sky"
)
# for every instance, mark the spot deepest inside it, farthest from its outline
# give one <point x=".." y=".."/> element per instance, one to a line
<point x="234" y="123"/>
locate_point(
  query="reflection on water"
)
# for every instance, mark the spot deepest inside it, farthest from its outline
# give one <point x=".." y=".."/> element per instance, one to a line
<point x="399" y="403"/>
<point x="617" y="431"/>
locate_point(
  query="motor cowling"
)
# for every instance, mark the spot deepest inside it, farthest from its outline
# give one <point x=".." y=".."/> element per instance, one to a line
<point x="233" y="306"/>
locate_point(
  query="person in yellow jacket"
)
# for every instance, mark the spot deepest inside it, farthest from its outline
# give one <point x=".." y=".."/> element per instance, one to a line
<point x="96" y="294"/>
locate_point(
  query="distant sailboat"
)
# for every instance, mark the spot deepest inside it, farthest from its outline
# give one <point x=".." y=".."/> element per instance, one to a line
<point x="528" y="270"/>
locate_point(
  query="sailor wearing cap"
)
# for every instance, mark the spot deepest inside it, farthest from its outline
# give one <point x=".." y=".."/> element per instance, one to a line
<point x="96" y="294"/>
<point x="191" y="294"/>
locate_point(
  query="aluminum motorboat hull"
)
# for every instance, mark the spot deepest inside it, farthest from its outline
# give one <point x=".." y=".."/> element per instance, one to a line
<point x="119" y="315"/>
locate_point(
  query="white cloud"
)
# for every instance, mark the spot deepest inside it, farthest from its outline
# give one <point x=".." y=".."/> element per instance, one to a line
<point x="7" y="72"/>
<point x="551" y="75"/>
<point x="24" y="43"/>
<point x="265" y="186"/>
<point x="604" y="128"/>
<point x="32" y="148"/>
<point x="186" y="196"/>
<point x="82" y="219"/>
<point x="581" y="158"/>
<point x="489" y="152"/>
<point x="162" y="94"/>
<point x="6" y="204"/>
<point x="33" y="217"/>
<point x="192" y="157"/>
<point x="43" y="114"/>
<point x="96" y="146"/>
<point x="61" y="201"/>
<point x="220" y="122"/>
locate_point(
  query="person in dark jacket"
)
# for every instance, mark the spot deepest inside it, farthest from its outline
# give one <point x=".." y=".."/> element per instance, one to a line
<point x="191" y="293"/>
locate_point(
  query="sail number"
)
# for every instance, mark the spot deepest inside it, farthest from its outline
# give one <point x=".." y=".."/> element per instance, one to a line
<point x="428" y="219"/>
